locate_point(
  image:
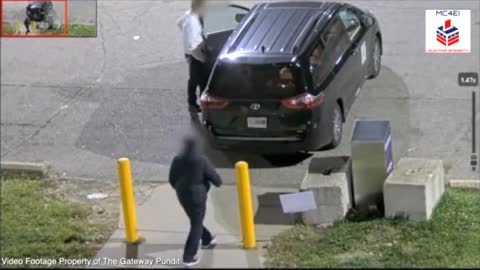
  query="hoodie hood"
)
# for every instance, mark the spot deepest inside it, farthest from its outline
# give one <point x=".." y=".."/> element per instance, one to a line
<point x="190" y="147"/>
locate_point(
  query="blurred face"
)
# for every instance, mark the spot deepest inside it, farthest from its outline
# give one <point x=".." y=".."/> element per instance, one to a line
<point x="201" y="8"/>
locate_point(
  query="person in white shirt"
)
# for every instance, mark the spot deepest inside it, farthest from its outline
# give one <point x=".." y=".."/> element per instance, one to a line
<point x="191" y="25"/>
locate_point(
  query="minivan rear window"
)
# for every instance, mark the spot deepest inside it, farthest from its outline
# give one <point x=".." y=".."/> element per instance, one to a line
<point x="256" y="81"/>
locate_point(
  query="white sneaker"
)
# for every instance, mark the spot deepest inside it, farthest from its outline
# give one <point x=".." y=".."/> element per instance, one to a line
<point x="194" y="262"/>
<point x="210" y="245"/>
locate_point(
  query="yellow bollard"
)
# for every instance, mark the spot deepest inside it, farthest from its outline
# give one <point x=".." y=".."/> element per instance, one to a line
<point x="245" y="205"/>
<point x="128" y="201"/>
<point x="34" y="27"/>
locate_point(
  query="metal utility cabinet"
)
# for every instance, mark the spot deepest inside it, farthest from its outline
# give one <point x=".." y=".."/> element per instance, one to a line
<point x="372" y="161"/>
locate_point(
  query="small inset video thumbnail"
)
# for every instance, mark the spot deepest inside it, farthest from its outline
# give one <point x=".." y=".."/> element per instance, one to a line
<point x="55" y="18"/>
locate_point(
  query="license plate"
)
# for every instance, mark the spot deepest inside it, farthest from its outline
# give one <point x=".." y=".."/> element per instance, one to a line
<point x="257" y="122"/>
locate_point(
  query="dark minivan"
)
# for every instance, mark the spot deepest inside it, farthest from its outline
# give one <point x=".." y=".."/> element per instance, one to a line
<point x="286" y="77"/>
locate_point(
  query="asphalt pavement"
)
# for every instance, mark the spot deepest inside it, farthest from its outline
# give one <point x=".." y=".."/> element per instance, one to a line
<point x="81" y="103"/>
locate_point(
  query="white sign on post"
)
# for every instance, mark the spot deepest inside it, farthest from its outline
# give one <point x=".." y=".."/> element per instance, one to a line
<point x="298" y="202"/>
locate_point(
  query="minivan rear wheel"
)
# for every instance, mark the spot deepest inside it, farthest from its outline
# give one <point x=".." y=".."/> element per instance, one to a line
<point x="336" y="129"/>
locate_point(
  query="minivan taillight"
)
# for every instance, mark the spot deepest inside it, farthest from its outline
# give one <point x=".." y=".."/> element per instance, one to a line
<point x="211" y="102"/>
<point x="303" y="101"/>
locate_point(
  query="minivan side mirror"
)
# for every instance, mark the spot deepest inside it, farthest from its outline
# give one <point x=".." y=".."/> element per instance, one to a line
<point x="367" y="20"/>
<point x="239" y="17"/>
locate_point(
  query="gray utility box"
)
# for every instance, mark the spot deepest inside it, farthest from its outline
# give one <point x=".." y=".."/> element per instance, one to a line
<point x="372" y="161"/>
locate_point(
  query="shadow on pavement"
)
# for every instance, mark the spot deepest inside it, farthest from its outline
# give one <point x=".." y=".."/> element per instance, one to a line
<point x="269" y="211"/>
<point x="148" y="116"/>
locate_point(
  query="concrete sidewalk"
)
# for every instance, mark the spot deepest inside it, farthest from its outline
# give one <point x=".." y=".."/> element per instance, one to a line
<point x="162" y="222"/>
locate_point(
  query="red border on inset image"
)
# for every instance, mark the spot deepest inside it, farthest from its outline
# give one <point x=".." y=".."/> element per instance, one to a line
<point x="52" y="35"/>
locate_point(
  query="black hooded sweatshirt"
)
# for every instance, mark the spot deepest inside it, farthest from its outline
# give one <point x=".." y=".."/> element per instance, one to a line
<point x="191" y="174"/>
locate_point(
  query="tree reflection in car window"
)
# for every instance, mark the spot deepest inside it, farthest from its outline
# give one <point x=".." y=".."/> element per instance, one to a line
<point x="316" y="64"/>
<point x="323" y="58"/>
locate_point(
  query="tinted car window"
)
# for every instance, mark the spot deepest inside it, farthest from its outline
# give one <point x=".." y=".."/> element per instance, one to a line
<point x="318" y="67"/>
<point x="333" y="46"/>
<point x="250" y="81"/>
<point x="351" y="22"/>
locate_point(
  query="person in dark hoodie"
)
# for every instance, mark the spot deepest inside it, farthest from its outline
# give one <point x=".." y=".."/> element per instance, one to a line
<point x="39" y="11"/>
<point x="191" y="175"/>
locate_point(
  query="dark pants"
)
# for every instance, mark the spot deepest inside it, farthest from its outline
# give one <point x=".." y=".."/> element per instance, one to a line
<point x="26" y="22"/>
<point x="196" y="214"/>
<point x="199" y="73"/>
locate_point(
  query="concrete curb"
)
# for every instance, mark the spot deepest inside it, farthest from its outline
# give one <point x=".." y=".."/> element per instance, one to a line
<point x="31" y="169"/>
<point x="462" y="183"/>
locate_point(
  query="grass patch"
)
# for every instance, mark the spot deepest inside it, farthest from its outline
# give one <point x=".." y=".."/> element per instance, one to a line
<point x="450" y="239"/>
<point x="74" y="30"/>
<point x="82" y="30"/>
<point x="79" y="30"/>
<point x="8" y="28"/>
<point x="37" y="222"/>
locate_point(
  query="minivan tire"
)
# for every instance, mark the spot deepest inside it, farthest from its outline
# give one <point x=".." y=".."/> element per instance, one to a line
<point x="376" y="61"/>
<point x="336" y="129"/>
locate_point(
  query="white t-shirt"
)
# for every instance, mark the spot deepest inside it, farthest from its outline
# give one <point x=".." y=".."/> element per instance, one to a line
<point x="193" y="36"/>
